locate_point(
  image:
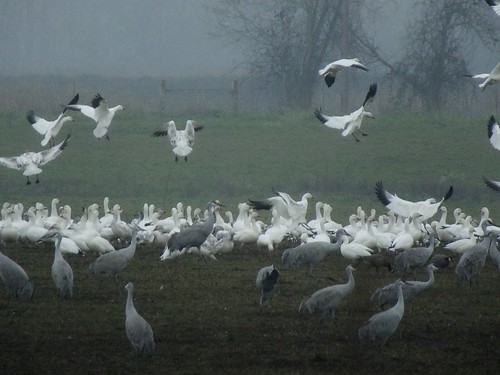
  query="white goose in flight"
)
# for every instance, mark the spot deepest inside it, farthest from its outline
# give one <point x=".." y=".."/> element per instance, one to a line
<point x="50" y="129"/>
<point x="100" y="113"/>
<point x="330" y="71"/>
<point x="30" y="162"/>
<point x="350" y="124"/>
<point x="181" y="140"/>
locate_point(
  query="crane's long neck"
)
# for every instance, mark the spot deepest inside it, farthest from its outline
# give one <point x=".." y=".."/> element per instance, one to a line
<point x="350" y="280"/>
<point x="130" y="308"/>
<point x="400" y="305"/>
<point x="58" y="253"/>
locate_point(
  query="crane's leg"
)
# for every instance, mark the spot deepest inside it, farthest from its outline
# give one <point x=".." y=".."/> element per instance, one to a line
<point x="28" y="182"/>
<point x="37" y="180"/>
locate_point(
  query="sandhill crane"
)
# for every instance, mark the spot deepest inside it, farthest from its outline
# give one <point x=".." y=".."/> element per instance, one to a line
<point x="99" y="112"/>
<point x="30" y="162"/>
<point x="381" y="326"/>
<point x="326" y="300"/>
<point x="267" y="278"/>
<point x="62" y="274"/>
<point x="415" y="257"/>
<point x="193" y="236"/>
<point x="387" y="295"/>
<point x="309" y="254"/>
<point x="15" y="278"/>
<point x="114" y="262"/>
<point x="139" y="331"/>
<point x="472" y="261"/>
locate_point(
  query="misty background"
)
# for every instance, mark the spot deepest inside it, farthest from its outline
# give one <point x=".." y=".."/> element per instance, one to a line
<point x="131" y="50"/>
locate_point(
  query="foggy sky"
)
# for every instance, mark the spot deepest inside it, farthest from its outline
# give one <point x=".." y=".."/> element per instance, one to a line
<point x="138" y="38"/>
<point x="111" y="37"/>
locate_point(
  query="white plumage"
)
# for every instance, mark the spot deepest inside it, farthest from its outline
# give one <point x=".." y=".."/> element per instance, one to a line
<point x="181" y="140"/>
<point x="100" y="113"/>
<point x="425" y="209"/>
<point x="330" y="71"/>
<point x="50" y="129"/>
<point x="349" y="124"/>
<point x="489" y="78"/>
<point x="30" y="162"/>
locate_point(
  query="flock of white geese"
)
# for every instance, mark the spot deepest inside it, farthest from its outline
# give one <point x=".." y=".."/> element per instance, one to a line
<point x="101" y="229"/>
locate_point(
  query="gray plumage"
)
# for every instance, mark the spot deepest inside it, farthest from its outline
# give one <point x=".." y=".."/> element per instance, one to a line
<point x="139" y="331"/>
<point x="494" y="256"/>
<point x="326" y="300"/>
<point x="62" y="274"/>
<point x="15" y="278"/>
<point x="381" y="326"/>
<point x="472" y="261"/>
<point x="415" y="257"/>
<point x="441" y="261"/>
<point x="195" y="235"/>
<point x="309" y="254"/>
<point x="114" y="262"/>
<point x="266" y="280"/>
<point x="377" y="261"/>
<point x="387" y="295"/>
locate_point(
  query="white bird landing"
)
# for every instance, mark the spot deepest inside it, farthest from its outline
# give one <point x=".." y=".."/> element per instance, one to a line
<point x="182" y="140"/>
<point x="351" y="123"/>
<point x="489" y="78"/>
<point x="30" y="162"/>
<point x="495" y="5"/>
<point x="425" y="209"/>
<point x="494" y="133"/>
<point x="99" y="112"/>
<point x="330" y="71"/>
<point x="50" y="129"/>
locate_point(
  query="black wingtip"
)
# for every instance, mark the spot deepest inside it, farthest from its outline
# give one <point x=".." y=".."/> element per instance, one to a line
<point x="259" y="205"/>
<point x="329" y="80"/>
<point x="30" y="116"/>
<point x="73" y="101"/>
<point x="449" y="193"/>
<point x="491" y="184"/>
<point x="491" y="3"/>
<point x="380" y="193"/>
<point x="491" y="124"/>
<point x="371" y="93"/>
<point x="319" y="115"/>
<point x="96" y="100"/>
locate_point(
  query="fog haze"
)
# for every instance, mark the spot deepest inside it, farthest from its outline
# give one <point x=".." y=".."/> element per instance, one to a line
<point x="117" y="38"/>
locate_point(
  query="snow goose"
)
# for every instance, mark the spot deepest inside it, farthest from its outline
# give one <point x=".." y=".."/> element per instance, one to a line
<point x="30" y="162"/>
<point x="286" y="207"/>
<point x="495" y="185"/>
<point x="274" y="234"/>
<point x="99" y="112"/>
<point x="494" y="133"/>
<point x="50" y="129"/>
<point x="329" y="72"/>
<point x="350" y="124"/>
<point x="426" y="209"/>
<point x="461" y="245"/>
<point x="353" y="250"/>
<point x="330" y="224"/>
<point x="489" y="78"/>
<point x="181" y="140"/>
<point x="495" y="5"/>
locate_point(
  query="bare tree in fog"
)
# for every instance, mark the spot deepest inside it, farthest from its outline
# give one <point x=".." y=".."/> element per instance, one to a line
<point x="437" y="43"/>
<point x="286" y="42"/>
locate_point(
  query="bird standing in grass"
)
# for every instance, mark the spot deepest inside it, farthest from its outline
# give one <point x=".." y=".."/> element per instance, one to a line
<point x="267" y="278"/>
<point x="15" y="278"/>
<point x="62" y="274"/>
<point x="193" y="236"/>
<point x="114" y="262"/>
<point x="138" y="330"/>
<point x="381" y="326"/>
<point x="326" y="300"/>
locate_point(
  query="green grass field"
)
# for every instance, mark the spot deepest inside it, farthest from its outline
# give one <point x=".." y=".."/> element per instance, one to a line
<point x="206" y="318"/>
